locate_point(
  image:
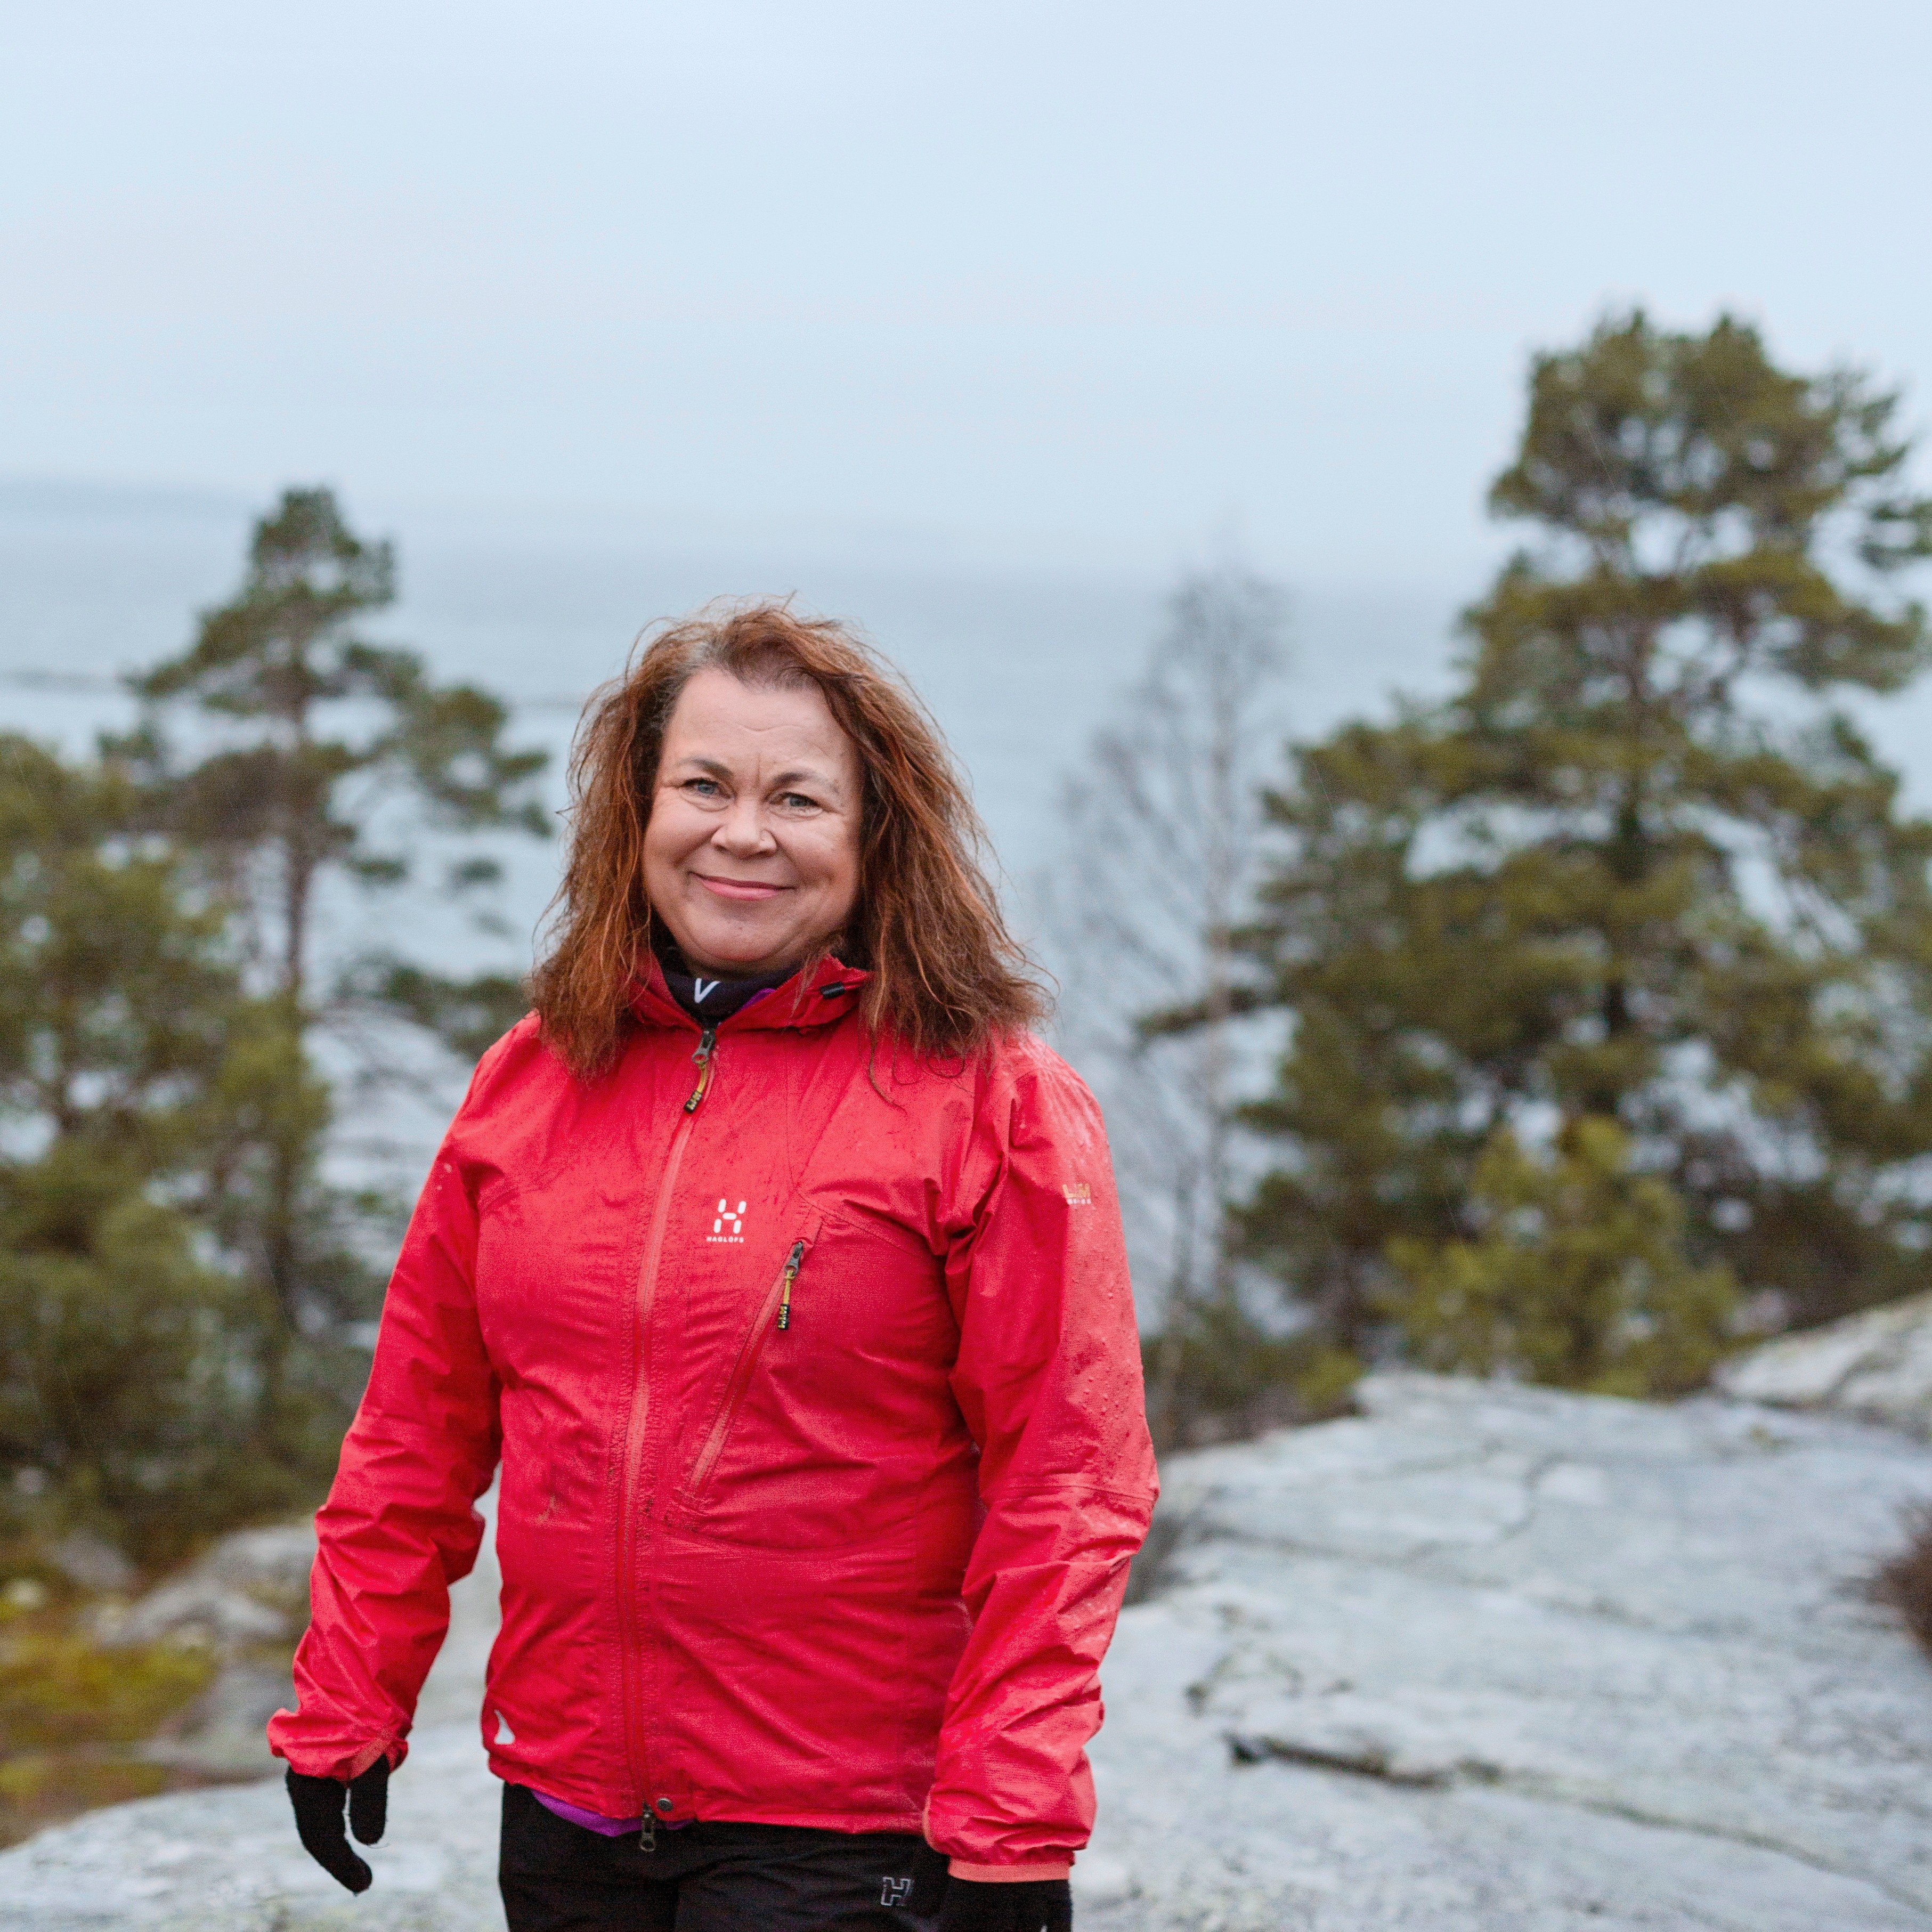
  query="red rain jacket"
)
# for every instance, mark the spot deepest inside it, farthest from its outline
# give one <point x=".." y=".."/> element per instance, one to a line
<point x="814" y="1379"/>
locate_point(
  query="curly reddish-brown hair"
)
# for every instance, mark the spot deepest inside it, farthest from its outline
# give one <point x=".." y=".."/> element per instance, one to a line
<point x="947" y="976"/>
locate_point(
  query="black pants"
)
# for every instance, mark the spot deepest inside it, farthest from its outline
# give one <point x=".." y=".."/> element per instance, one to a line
<point x="559" y="1877"/>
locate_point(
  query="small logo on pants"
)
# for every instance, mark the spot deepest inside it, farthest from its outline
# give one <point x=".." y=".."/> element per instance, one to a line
<point x="895" y="1891"/>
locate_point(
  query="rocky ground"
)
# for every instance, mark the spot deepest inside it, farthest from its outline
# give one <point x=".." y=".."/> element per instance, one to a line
<point x="1479" y="1660"/>
<point x="226" y="1859"/>
<point x="1506" y="1659"/>
<point x="1877" y="1365"/>
<point x="246" y="1601"/>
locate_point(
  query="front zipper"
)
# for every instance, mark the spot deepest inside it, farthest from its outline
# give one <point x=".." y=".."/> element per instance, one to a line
<point x="629" y="1511"/>
<point x="777" y="1301"/>
<point x="707" y="1040"/>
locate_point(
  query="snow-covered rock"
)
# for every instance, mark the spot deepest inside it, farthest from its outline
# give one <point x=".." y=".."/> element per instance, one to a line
<point x="1877" y="1365"/>
<point x="1481" y="1660"/>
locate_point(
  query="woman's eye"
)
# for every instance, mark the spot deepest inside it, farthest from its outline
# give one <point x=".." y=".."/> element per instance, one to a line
<point x="705" y="787"/>
<point x="796" y="801"/>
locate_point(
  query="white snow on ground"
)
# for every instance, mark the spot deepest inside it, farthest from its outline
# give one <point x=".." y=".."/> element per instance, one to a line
<point x="1482" y="1659"/>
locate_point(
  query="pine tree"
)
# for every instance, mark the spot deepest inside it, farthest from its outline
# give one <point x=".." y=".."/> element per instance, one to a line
<point x="308" y="734"/>
<point x="130" y="1363"/>
<point x="1641" y="891"/>
<point x="289" y="790"/>
<point x="1576" y="1273"/>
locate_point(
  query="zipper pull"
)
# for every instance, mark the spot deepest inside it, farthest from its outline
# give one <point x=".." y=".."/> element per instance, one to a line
<point x="647" y="1834"/>
<point x="794" y="1262"/>
<point x="707" y="1040"/>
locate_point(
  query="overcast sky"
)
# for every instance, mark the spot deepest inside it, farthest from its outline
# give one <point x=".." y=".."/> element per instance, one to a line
<point x="1111" y="280"/>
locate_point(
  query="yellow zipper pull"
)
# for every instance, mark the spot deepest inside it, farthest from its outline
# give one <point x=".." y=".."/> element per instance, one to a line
<point x="794" y="1262"/>
<point x="706" y="1041"/>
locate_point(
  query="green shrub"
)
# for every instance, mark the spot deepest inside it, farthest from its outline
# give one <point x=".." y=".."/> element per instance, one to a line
<point x="71" y="1709"/>
<point x="59" y="1689"/>
<point x="1577" y="1275"/>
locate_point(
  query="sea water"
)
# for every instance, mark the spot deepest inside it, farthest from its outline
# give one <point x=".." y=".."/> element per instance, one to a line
<point x="1020" y="660"/>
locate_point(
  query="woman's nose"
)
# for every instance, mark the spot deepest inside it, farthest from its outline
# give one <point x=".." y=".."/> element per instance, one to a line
<point x="745" y="834"/>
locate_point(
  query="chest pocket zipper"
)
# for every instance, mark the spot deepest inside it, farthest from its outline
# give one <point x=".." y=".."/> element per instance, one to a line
<point x="774" y="1316"/>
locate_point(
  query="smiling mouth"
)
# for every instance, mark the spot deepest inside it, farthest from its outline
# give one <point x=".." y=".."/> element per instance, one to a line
<point x="739" y="888"/>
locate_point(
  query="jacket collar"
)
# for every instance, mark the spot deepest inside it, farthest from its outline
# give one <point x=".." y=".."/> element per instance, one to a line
<point x="831" y="992"/>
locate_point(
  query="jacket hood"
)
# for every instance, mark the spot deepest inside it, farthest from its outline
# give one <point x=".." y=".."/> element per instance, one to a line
<point x="826" y="994"/>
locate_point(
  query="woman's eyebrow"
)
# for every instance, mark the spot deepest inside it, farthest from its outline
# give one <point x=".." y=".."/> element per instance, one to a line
<point x="692" y="762"/>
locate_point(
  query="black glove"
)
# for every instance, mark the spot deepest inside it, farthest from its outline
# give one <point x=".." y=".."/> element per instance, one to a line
<point x="318" y="1803"/>
<point x="1037" y="1905"/>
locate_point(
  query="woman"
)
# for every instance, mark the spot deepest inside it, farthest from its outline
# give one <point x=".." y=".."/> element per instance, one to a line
<point x="782" y="1266"/>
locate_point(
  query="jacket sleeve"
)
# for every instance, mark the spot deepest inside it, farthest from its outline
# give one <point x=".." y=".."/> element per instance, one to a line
<point x="400" y="1524"/>
<point x="1049" y="1379"/>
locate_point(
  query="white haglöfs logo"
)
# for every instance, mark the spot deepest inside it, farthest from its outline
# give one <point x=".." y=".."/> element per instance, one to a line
<point x="730" y="1225"/>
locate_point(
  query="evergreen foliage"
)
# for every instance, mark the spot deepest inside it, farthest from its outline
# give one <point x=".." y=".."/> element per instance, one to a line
<point x="1640" y="889"/>
<point x="128" y="1361"/>
<point x="314" y="728"/>
<point x="1576" y="1274"/>
<point x="312" y="740"/>
<point x="183" y="1289"/>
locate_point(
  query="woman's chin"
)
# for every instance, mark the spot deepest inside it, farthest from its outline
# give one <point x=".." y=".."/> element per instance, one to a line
<point x="736" y="956"/>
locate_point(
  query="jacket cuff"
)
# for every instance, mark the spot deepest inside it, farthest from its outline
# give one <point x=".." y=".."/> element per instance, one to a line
<point x="1026" y="1874"/>
<point x="341" y="1760"/>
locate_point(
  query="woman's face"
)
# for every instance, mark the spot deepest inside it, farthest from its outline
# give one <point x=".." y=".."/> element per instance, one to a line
<point x="752" y="850"/>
